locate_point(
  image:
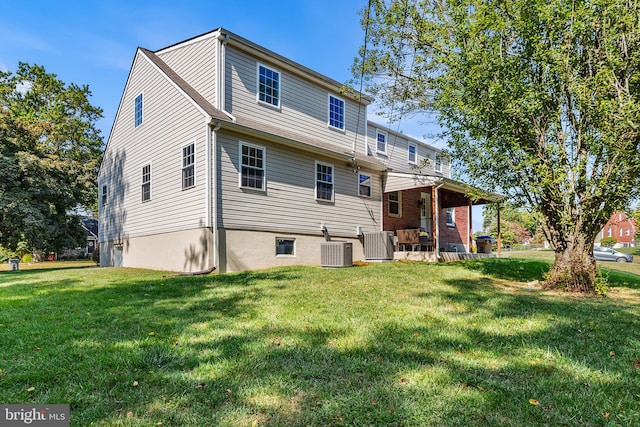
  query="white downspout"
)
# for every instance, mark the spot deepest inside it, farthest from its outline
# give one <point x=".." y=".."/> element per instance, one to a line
<point x="214" y="188"/>
<point x="437" y="215"/>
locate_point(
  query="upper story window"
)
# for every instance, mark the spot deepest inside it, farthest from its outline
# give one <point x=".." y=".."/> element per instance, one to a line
<point x="364" y="185"/>
<point x="138" y="110"/>
<point x="146" y="183"/>
<point x="104" y="195"/>
<point x="252" y="166"/>
<point x="324" y="182"/>
<point x="438" y="164"/>
<point x="336" y="112"/>
<point x="188" y="166"/>
<point x="627" y="232"/>
<point x="609" y="232"/>
<point x="381" y="141"/>
<point x="413" y="153"/>
<point x="395" y="204"/>
<point x="451" y="217"/>
<point x="268" y="86"/>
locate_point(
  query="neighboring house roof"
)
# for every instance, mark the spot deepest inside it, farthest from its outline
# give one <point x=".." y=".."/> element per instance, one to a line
<point x="91" y="225"/>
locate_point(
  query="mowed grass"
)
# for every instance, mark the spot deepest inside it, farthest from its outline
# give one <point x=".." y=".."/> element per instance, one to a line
<point x="473" y="343"/>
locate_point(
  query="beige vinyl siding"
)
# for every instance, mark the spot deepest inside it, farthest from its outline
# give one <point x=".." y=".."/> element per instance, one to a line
<point x="169" y="122"/>
<point x="288" y="204"/>
<point x="397" y="157"/>
<point x="303" y="105"/>
<point x="196" y="63"/>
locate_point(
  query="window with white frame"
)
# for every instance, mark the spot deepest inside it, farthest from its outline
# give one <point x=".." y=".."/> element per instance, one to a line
<point x="394" y="202"/>
<point x="620" y="231"/>
<point x="627" y="232"/>
<point x="285" y="246"/>
<point x="451" y="217"/>
<point x="609" y="232"/>
<point x="336" y="112"/>
<point x="413" y="153"/>
<point x="364" y="184"/>
<point x="146" y="183"/>
<point x="268" y="86"/>
<point x="324" y="181"/>
<point x="438" y="163"/>
<point x="252" y="166"/>
<point x="138" y="110"/>
<point x="188" y="166"/>
<point x="381" y="140"/>
<point x="104" y="195"/>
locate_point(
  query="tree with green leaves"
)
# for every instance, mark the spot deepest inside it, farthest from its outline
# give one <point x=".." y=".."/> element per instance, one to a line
<point x="539" y="99"/>
<point x="50" y="150"/>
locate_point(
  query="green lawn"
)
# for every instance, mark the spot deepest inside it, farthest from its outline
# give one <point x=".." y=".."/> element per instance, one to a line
<point x="463" y="344"/>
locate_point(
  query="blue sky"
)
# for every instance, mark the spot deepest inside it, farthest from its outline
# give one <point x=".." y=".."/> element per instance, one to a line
<point x="93" y="43"/>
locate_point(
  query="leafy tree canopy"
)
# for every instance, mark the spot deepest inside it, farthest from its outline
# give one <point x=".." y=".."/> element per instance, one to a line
<point x="50" y="150"/>
<point x="539" y="99"/>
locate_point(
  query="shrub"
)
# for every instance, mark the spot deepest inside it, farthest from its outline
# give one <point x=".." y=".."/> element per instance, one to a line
<point x="27" y="258"/>
<point x="96" y="256"/>
<point x="608" y="242"/>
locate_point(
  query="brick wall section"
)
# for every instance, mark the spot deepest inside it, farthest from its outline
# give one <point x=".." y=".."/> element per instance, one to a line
<point x="619" y="221"/>
<point x="411" y="218"/>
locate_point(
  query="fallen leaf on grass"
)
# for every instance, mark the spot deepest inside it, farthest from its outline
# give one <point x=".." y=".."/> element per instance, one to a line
<point x="404" y="381"/>
<point x="30" y="389"/>
<point x="254" y="423"/>
<point x="152" y="333"/>
<point x="534" y="402"/>
<point x="129" y="414"/>
<point x="612" y="353"/>
<point x="635" y="363"/>
<point x="606" y="414"/>
<point x="135" y="384"/>
<point x="201" y="385"/>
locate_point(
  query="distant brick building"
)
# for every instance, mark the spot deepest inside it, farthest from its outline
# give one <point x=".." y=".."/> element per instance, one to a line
<point x="622" y="227"/>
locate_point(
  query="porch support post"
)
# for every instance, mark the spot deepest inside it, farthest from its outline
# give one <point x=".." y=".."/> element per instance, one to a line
<point x="470" y="226"/>
<point x="499" y="232"/>
<point x="434" y="219"/>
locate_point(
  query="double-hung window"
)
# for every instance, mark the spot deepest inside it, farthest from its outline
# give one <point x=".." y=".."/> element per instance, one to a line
<point x="413" y="153"/>
<point x="438" y="163"/>
<point x="324" y="182"/>
<point x="252" y="166"/>
<point x="104" y="195"/>
<point x="336" y="112"/>
<point x="364" y="185"/>
<point x="451" y="219"/>
<point x="138" y="110"/>
<point x="394" y="203"/>
<point x="188" y="166"/>
<point x="146" y="183"/>
<point x="268" y="86"/>
<point x="381" y="141"/>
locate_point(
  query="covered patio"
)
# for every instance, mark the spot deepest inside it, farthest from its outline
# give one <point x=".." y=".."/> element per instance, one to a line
<point x="431" y="217"/>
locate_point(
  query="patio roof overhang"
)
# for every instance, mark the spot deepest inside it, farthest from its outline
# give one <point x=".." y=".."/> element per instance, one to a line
<point x="397" y="181"/>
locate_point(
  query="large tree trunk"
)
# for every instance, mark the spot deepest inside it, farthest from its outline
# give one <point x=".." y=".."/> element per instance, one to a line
<point x="574" y="269"/>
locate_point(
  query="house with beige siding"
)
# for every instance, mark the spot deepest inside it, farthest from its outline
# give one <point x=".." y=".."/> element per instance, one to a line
<point x="224" y="155"/>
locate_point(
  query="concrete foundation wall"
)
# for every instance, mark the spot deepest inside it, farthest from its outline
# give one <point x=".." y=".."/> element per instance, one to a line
<point x="251" y="250"/>
<point x="188" y="250"/>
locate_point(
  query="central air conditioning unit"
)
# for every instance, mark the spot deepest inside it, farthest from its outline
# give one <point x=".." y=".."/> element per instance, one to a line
<point x="379" y="245"/>
<point x="336" y="254"/>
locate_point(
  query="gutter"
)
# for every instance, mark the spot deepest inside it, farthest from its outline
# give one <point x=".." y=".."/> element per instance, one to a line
<point x="220" y="75"/>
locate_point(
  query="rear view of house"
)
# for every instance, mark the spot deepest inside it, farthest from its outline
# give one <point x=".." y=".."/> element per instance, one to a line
<point x="224" y="155"/>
